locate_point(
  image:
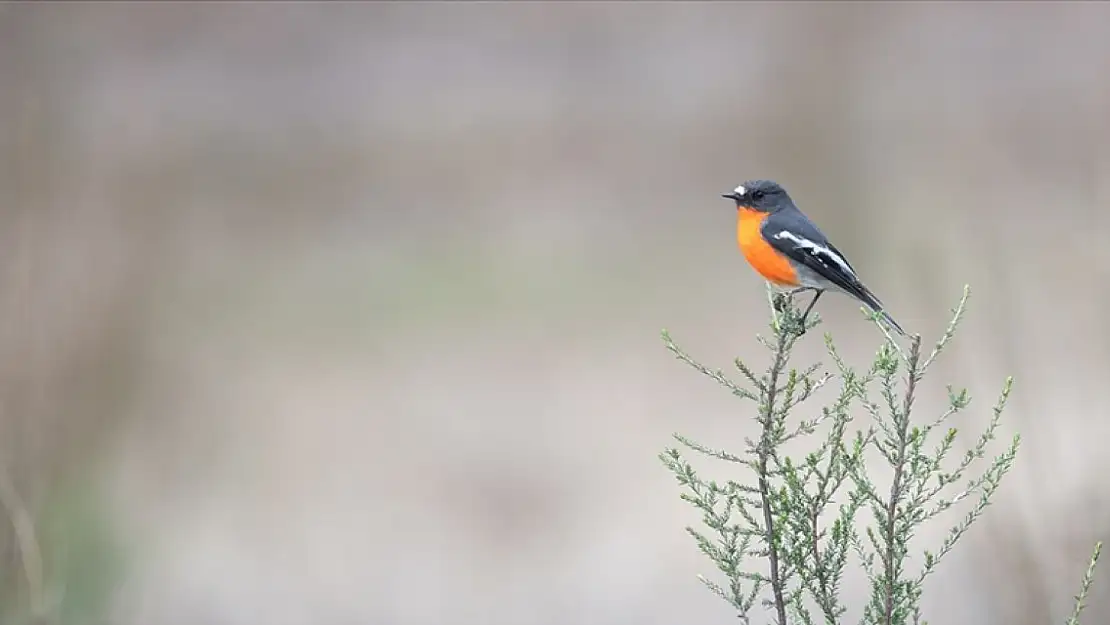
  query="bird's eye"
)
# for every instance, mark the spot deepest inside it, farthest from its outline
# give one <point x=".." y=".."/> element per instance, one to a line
<point x="757" y="195"/>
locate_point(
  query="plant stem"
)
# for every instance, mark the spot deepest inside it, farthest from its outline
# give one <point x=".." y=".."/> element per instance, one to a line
<point x="766" y="448"/>
<point x="896" y="487"/>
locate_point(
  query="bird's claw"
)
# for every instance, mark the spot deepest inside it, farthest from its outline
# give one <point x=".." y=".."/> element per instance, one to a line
<point x="802" y="327"/>
<point x="779" y="301"/>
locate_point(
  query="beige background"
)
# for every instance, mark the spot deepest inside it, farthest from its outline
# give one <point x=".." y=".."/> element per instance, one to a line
<point x="349" y="313"/>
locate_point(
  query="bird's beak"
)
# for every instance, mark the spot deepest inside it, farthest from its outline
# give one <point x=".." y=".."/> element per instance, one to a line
<point x="731" y="196"/>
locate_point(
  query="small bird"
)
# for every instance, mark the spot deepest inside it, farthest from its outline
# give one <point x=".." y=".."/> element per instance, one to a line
<point x="790" y="252"/>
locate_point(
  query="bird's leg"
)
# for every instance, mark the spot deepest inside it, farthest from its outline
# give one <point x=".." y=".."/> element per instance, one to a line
<point x="812" y="302"/>
<point x="782" y="297"/>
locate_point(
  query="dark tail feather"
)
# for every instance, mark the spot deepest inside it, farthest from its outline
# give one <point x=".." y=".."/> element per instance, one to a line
<point x="894" y="324"/>
<point x="874" y="304"/>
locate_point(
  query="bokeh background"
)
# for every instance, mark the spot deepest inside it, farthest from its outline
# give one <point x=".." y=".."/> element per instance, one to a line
<point x="349" y="313"/>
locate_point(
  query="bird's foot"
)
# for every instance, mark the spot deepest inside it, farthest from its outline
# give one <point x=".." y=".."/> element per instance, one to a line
<point x="783" y="299"/>
<point x="796" y="321"/>
<point x="781" y="302"/>
<point x="803" y="325"/>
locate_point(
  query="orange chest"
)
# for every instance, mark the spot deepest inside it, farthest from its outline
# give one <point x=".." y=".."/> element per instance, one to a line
<point x="772" y="265"/>
<point x="748" y="223"/>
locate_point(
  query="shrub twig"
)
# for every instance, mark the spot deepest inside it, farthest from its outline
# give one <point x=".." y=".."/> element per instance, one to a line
<point x="782" y="516"/>
<point x="1085" y="585"/>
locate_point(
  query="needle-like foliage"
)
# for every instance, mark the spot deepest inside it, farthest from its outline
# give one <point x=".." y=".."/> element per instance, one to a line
<point x="783" y="529"/>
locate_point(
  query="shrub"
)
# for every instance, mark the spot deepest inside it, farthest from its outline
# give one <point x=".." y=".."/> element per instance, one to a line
<point x="784" y="538"/>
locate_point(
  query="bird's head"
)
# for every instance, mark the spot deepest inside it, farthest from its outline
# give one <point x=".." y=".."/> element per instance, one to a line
<point x="765" y="196"/>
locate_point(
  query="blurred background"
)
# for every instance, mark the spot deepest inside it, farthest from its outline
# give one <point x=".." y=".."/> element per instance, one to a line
<point x="349" y="313"/>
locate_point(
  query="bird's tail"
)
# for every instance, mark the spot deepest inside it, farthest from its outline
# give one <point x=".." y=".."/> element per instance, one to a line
<point x="890" y="320"/>
<point x="875" y="305"/>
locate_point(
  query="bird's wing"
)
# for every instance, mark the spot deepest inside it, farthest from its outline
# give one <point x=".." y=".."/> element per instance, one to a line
<point x="796" y="237"/>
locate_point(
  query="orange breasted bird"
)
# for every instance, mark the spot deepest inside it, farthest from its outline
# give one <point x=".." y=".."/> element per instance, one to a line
<point x="790" y="252"/>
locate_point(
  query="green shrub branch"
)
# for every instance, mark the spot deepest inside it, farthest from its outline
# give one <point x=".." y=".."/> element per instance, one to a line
<point x="784" y="529"/>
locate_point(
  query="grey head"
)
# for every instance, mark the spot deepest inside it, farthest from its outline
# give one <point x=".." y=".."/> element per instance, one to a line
<point x="765" y="196"/>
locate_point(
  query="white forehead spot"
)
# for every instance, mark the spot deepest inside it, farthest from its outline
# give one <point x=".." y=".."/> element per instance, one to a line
<point x="740" y="190"/>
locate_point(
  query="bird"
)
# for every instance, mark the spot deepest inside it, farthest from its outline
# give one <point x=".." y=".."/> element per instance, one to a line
<point x="790" y="251"/>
